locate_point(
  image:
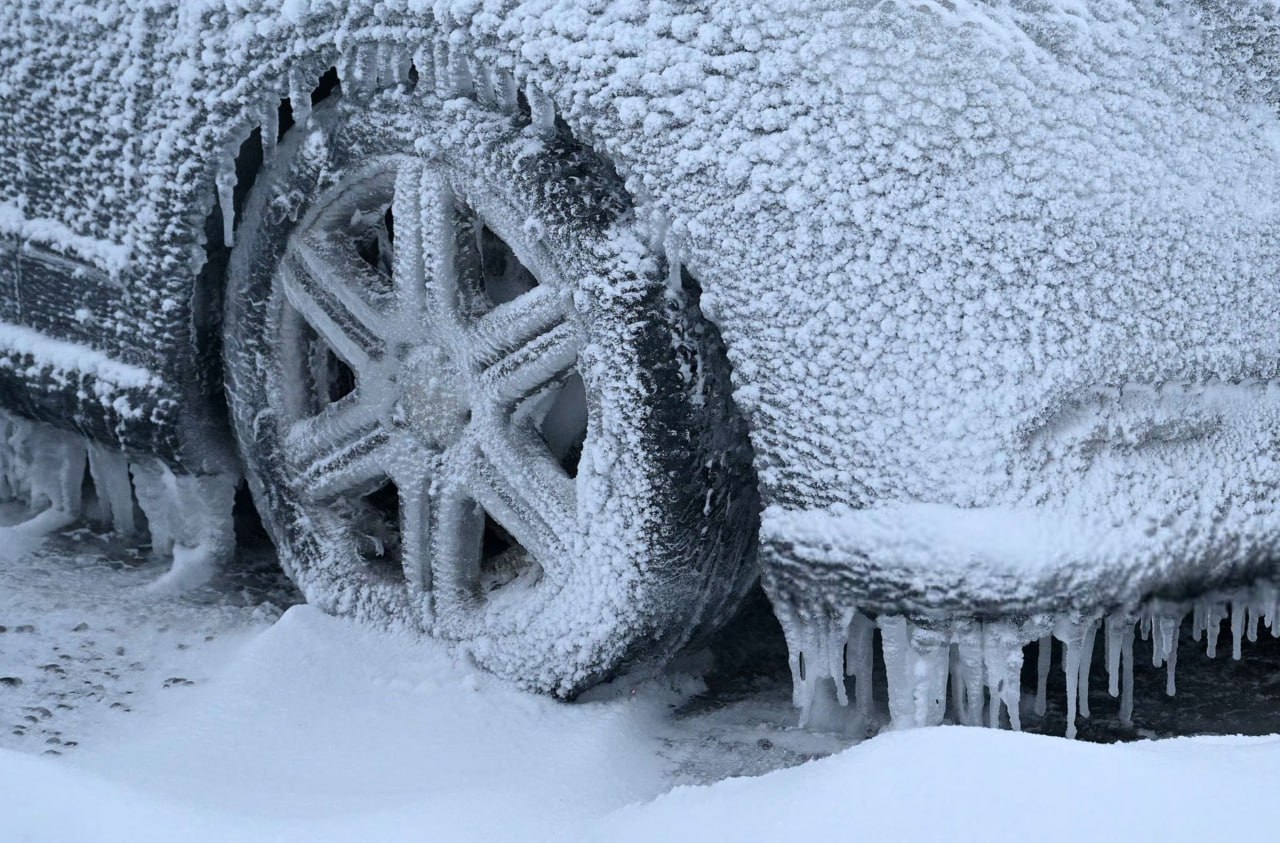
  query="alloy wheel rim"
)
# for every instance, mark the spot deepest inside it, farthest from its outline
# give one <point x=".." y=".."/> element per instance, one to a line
<point x="418" y="358"/>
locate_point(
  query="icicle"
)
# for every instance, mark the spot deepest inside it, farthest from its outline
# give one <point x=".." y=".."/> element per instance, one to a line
<point x="460" y="72"/>
<point x="969" y="656"/>
<point x="916" y="663"/>
<point x="671" y="246"/>
<point x="57" y="469"/>
<point x="110" y="472"/>
<point x="17" y="457"/>
<point x="425" y="63"/>
<point x="959" y="700"/>
<point x="482" y="80"/>
<point x="189" y="517"/>
<point x="367" y="68"/>
<point x="270" y="128"/>
<point x="895" y="650"/>
<point x="1043" y="663"/>
<point x="1198" y="621"/>
<point x="358" y="71"/>
<point x="8" y="461"/>
<point x="393" y="65"/>
<point x="1237" y="627"/>
<point x="931" y="651"/>
<point x="1213" y="625"/>
<point x="388" y="72"/>
<point x="816" y="647"/>
<point x="1118" y="626"/>
<point x="226" y="182"/>
<point x="541" y="109"/>
<point x="1086" y="665"/>
<point x="1071" y="634"/>
<point x="1169" y="626"/>
<point x="1002" y="660"/>
<point x="1267" y="595"/>
<point x="154" y="484"/>
<point x="300" y="87"/>
<point x="1107" y="646"/>
<point x="860" y="660"/>
<point x="837" y="641"/>
<point x="1126" y="661"/>
<point x="345" y="68"/>
<point x="202" y="528"/>
<point x="45" y="467"/>
<point x="506" y="90"/>
<point x="1251" y="619"/>
<point x="1157" y="652"/>
<point x="657" y="230"/>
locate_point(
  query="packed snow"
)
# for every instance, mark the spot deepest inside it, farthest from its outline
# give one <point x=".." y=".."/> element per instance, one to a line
<point x="215" y="716"/>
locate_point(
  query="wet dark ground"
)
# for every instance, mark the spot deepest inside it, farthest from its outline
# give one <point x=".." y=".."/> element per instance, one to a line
<point x="744" y="721"/>
<point x="1217" y="696"/>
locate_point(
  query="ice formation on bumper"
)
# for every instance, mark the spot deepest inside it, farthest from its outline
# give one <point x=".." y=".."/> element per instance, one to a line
<point x="970" y="672"/>
<point x="188" y="517"/>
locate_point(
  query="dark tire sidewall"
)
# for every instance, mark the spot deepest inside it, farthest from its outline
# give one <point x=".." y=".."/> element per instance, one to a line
<point x="658" y="561"/>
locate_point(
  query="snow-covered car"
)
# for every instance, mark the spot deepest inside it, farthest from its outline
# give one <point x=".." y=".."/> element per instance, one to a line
<point x="527" y="322"/>
<point x="357" y="253"/>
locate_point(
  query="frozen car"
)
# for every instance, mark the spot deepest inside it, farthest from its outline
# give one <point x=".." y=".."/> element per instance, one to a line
<point x="529" y="322"/>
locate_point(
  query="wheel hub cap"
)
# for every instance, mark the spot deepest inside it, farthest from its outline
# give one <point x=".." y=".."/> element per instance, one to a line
<point x="433" y="401"/>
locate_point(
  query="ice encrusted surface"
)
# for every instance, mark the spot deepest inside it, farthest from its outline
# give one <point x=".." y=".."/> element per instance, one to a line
<point x="188" y="517"/>
<point x="970" y="672"/>
<point x="946" y="242"/>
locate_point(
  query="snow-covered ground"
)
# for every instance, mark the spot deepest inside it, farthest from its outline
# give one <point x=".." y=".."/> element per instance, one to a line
<point x="231" y="714"/>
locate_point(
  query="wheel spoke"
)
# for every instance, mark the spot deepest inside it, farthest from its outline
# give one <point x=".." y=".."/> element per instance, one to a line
<point x="319" y="284"/>
<point x="418" y="527"/>
<point x="524" y="344"/>
<point x="449" y="531"/>
<point x="519" y="483"/>
<point x="342" y="449"/>
<point x="446" y="261"/>
<point x="486" y="480"/>
<point x="422" y="207"/>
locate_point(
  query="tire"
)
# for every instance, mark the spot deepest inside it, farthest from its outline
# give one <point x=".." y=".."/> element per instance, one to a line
<point x="469" y="401"/>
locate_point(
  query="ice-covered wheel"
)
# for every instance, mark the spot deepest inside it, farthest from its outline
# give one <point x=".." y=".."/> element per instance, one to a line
<point x="469" y="398"/>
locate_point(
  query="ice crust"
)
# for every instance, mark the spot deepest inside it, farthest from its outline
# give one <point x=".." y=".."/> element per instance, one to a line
<point x="67" y="360"/>
<point x="996" y="278"/>
<point x="188" y="517"/>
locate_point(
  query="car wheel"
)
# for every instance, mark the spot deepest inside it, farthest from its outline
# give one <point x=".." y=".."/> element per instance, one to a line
<point x="470" y="399"/>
